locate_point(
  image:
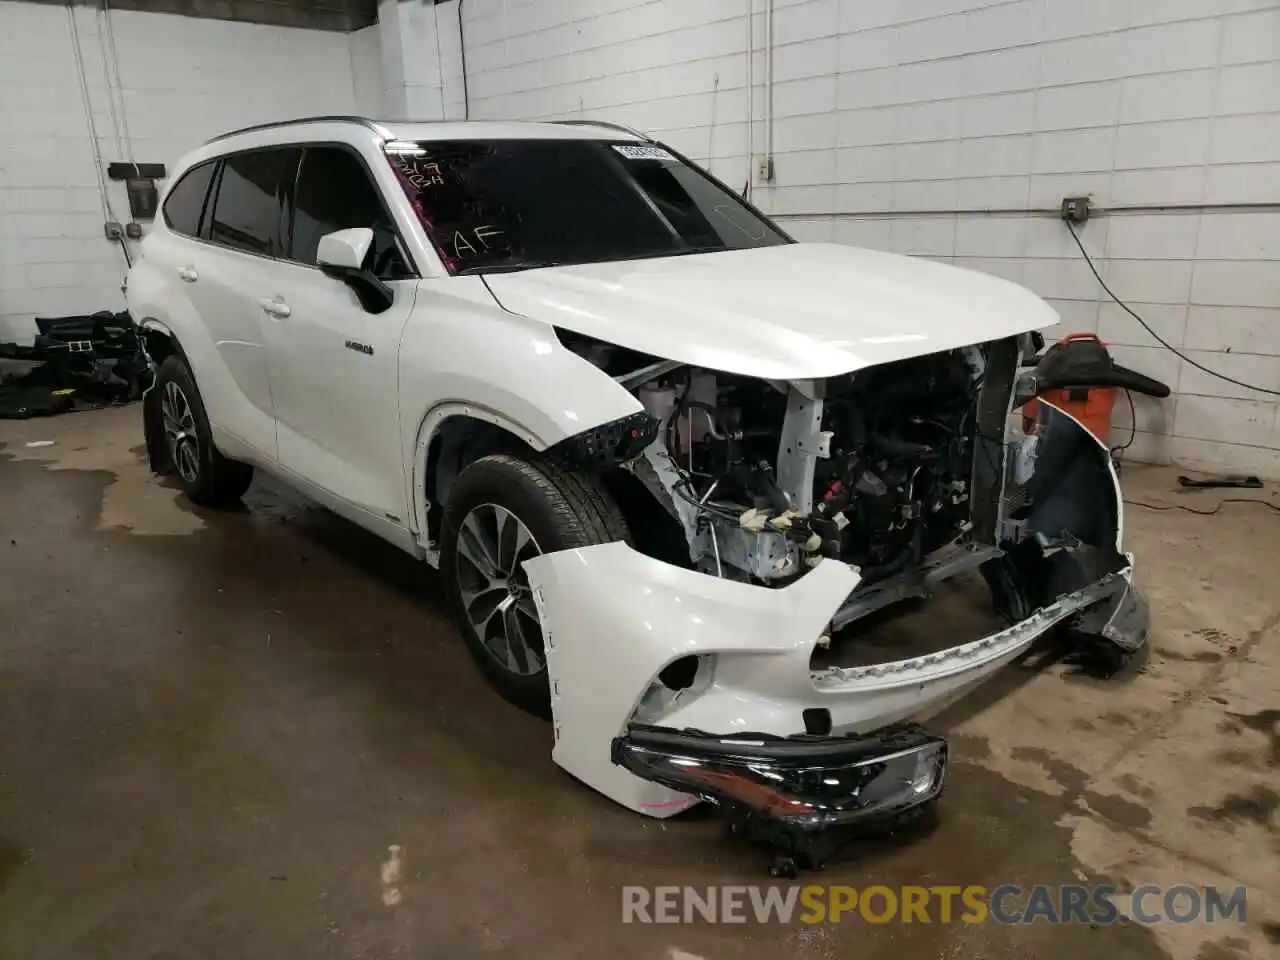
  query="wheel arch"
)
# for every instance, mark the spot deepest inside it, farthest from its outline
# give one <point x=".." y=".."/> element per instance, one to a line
<point x="159" y="342"/>
<point x="450" y="436"/>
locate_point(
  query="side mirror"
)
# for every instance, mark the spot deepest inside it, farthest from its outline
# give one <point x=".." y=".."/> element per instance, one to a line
<point x="341" y="255"/>
<point x="345" y="249"/>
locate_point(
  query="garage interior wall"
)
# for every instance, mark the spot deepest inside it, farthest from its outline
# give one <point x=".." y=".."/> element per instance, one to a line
<point x="896" y="114"/>
<point x="366" y="72"/>
<point x="180" y="81"/>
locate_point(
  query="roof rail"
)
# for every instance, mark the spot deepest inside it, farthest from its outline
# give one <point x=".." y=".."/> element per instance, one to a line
<point x="363" y="121"/>
<point x="608" y="125"/>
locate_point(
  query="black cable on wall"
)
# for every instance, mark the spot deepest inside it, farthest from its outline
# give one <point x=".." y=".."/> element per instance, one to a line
<point x="1147" y="327"/>
<point x="1256" y="206"/>
<point x="462" y="51"/>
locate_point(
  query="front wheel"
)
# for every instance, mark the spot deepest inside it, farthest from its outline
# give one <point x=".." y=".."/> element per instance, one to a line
<point x="502" y="511"/>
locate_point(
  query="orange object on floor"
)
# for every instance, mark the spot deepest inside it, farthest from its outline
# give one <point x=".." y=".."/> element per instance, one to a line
<point x="1092" y="406"/>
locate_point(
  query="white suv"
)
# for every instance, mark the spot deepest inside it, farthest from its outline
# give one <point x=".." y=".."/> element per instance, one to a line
<point x="666" y="458"/>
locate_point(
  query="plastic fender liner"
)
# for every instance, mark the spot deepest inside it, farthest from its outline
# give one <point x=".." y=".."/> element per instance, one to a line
<point x="1071" y="513"/>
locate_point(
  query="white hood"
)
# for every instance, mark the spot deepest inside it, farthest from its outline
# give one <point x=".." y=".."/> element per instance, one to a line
<point x="792" y="312"/>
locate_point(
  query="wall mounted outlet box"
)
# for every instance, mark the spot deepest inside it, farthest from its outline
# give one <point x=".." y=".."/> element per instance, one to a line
<point x="764" y="169"/>
<point x="143" y="199"/>
<point x="1075" y="209"/>
<point x="113" y="230"/>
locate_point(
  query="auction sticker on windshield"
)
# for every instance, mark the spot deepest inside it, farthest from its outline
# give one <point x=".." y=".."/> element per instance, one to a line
<point x="639" y="151"/>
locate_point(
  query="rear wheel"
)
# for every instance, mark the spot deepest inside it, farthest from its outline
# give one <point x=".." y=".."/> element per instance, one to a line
<point x="206" y="476"/>
<point x="501" y="512"/>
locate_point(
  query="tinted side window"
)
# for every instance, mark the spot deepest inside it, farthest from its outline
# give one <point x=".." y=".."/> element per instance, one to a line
<point x="246" y="214"/>
<point x="184" y="206"/>
<point x="335" y="193"/>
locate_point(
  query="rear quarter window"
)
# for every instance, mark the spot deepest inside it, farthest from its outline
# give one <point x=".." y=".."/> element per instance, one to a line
<point x="184" y="206"/>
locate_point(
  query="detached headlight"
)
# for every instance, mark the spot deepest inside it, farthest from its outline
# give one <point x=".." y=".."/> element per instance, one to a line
<point x="806" y="782"/>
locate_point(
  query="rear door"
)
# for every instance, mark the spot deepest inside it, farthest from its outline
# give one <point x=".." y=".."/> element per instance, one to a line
<point x="332" y="364"/>
<point x="186" y="266"/>
<point x="228" y="277"/>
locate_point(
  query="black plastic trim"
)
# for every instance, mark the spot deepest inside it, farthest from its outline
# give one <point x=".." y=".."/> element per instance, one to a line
<point x="136" y="171"/>
<point x="608" y="444"/>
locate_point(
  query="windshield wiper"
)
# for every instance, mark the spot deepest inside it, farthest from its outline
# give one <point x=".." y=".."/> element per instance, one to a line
<point x="505" y="266"/>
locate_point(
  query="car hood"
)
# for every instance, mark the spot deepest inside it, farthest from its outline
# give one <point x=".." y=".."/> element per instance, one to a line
<point x="791" y="312"/>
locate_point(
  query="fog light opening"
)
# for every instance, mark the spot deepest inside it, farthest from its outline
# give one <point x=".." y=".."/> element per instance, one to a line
<point x="680" y="674"/>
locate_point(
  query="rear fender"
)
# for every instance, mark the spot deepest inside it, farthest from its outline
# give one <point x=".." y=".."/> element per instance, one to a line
<point x="152" y="427"/>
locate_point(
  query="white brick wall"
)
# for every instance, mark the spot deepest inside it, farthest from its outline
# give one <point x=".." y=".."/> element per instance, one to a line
<point x="366" y="71"/>
<point x="421" y="61"/>
<point x="183" y="80"/>
<point x="897" y="105"/>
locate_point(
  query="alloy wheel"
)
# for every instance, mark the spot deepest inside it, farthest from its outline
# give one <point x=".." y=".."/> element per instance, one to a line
<point x="180" y="432"/>
<point x="493" y="543"/>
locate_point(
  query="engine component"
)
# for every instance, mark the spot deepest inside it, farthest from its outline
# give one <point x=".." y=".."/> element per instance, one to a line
<point x="659" y="402"/>
<point x="873" y="468"/>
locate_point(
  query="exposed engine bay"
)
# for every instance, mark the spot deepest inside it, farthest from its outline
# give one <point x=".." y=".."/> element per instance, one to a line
<point x="906" y="472"/>
<point x="806" y="505"/>
<point x="893" y="449"/>
<point x="874" y="468"/>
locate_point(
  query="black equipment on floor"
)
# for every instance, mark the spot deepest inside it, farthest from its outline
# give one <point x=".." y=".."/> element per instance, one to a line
<point x="75" y="362"/>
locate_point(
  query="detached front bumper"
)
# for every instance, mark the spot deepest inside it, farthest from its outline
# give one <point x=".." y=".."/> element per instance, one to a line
<point x="613" y="619"/>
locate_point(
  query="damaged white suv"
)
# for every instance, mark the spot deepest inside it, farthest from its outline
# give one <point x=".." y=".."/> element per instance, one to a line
<point x="665" y="457"/>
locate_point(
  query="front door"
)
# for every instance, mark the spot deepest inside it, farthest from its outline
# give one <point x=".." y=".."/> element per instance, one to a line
<point x="332" y="364"/>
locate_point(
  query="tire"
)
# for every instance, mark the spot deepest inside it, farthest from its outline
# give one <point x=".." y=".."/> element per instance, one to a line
<point x="205" y="475"/>
<point x="559" y="510"/>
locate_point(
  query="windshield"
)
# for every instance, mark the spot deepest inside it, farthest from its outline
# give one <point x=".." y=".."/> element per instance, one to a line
<point x="501" y="205"/>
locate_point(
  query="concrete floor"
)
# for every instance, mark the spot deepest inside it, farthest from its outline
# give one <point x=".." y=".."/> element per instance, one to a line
<point x="214" y="726"/>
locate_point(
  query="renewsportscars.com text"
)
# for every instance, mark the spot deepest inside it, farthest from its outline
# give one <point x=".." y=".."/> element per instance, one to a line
<point x="1007" y="904"/>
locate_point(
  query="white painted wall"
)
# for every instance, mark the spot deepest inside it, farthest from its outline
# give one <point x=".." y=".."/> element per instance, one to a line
<point x="908" y="105"/>
<point x="422" y="62"/>
<point x="366" y="71"/>
<point x="182" y="81"/>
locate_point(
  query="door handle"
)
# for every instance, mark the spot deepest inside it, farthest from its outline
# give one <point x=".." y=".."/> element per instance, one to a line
<point x="275" y="306"/>
<point x="188" y="274"/>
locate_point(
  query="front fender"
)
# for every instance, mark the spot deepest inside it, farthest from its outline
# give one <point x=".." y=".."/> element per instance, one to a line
<point x="462" y="354"/>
